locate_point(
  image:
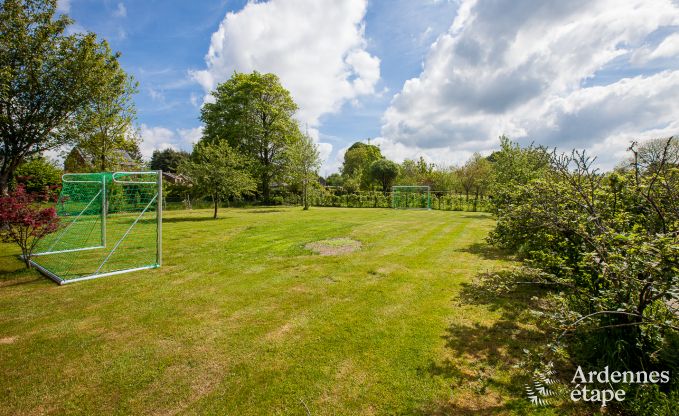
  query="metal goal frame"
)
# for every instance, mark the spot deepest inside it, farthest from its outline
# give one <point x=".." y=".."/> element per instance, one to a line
<point x="411" y="197"/>
<point x="111" y="223"/>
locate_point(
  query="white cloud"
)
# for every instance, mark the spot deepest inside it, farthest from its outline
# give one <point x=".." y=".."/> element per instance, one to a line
<point x="518" y="68"/>
<point x="190" y="137"/>
<point x="64" y="6"/>
<point x="120" y="11"/>
<point x="316" y="47"/>
<point x="156" y="138"/>
<point x="668" y="48"/>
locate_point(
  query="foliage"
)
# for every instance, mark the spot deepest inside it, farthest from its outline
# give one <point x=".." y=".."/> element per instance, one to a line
<point x="46" y="78"/>
<point x="417" y="172"/>
<point x="38" y="175"/>
<point x="356" y="165"/>
<point x="24" y="222"/>
<point x="334" y="179"/>
<point x="168" y="160"/>
<point x="475" y="176"/>
<point x="253" y="113"/>
<point x="303" y="161"/>
<point x="513" y="167"/>
<point x="612" y="240"/>
<point x="104" y="127"/>
<point x="384" y="172"/>
<point x="219" y="171"/>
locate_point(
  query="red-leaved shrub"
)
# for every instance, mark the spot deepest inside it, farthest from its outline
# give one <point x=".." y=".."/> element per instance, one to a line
<point x="24" y="222"/>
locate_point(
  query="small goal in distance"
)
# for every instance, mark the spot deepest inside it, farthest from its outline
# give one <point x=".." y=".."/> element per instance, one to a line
<point x="410" y="197"/>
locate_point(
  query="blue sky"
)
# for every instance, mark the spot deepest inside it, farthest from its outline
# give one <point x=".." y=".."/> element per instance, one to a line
<point x="433" y="78"/>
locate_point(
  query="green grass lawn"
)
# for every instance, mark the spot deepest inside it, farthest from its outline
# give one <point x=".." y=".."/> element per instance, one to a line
<point x="243" y="320"/>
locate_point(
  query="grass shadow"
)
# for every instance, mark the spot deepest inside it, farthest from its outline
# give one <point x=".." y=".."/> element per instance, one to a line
<point x="489" y="382"/>
<point x="264" y="211"/>
<point x="478" y="216"/>
<point x="488" y="252"/>
<point x="171" y="220"/>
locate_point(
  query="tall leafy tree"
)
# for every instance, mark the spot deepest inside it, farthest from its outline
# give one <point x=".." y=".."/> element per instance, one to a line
<point x="385" y="172"/>
<point x="217" y="170"/>
<point x="46" y="78"/>
<point x="253" y="113"/>
<point x="357" y="161"/>
<point x="304" y="161"/>
<point x="168" y="160"/>
<point x="104" y="128"/>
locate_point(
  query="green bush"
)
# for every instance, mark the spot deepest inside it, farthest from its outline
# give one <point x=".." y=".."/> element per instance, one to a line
<point x="611" y="241"/>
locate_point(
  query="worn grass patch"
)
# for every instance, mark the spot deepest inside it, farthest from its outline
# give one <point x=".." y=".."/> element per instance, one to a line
<point x="334" y="246"/>
<point x="241" y="320"/>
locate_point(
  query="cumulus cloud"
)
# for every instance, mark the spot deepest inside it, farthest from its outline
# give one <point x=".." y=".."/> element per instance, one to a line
<point x="520" y="68"/>
<point x="156" y="138"/>
<point x="159" y="138"/>
<point x="316" y="47"/>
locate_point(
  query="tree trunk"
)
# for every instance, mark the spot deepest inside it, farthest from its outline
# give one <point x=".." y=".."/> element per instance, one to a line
<point x="4" y="185"/>
<point x="304" y="197"/>
<point x="266" y="191"/>
<point x="216" y="201"/>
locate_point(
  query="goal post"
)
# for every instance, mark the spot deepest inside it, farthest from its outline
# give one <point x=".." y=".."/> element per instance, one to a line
<point x="111" y="223"/>
<point x="410" y="197"/>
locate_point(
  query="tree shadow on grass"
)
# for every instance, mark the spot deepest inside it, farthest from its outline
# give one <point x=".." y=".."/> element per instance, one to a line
<point x="171" y="220"/>
<point x="481" y="364"/>
<point x="487" y="252"/>
<point x="13" y="272"/>
<point x="478" y="216"/>
<point x="264" y="211"/>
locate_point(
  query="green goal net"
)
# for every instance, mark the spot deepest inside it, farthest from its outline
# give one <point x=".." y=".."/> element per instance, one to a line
<point x="110" y="223"/>
<point x="410" y="197"/>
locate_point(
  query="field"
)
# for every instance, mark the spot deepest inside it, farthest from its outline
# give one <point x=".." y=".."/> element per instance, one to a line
<point x="242" y="319"/>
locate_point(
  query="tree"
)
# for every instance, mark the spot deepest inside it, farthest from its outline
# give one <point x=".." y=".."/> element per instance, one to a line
<point x="104" y="127"/>
<point x="38" y="175"/>
<point x="514" y="166"/>
<point x="46" y="78"/>
<point x="334" y="179"/>
<point x="475" y="176"/>
<point x="24" y="222"/>
<point x="304" y="161"/>
<point x="385" y="172"/>
<point x="219" y="171"/>
<point x="357" y="161"/>
<point x="168" y="160"/>
<point x="253" y="113"/>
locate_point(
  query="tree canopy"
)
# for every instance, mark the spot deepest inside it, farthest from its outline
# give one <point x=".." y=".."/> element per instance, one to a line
<point x="168" y="160"/>
<point x="46" y="78"/>
<point x="254" y="114"/>
<point x="357" y="161"/>
<point x="385" y="172"/>
<point x="303" y="164"/>
<point x="217" y="170"/>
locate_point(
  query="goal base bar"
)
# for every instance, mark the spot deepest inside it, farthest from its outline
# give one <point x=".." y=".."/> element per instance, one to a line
<point x="61" y="281"/>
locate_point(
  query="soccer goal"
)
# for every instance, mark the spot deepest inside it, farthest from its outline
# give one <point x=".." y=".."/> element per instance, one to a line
<point x="111" y="223"/>
<point x="410" y="197"/>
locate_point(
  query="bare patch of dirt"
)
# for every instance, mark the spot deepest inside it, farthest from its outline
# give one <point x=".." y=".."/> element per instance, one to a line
<point x="8" y="340"/>
<point x="334" y="246"/>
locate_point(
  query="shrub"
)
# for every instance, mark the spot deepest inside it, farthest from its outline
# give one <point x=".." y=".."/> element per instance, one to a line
<point x="24" y="222"/>
<point x="613" y="240"/>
